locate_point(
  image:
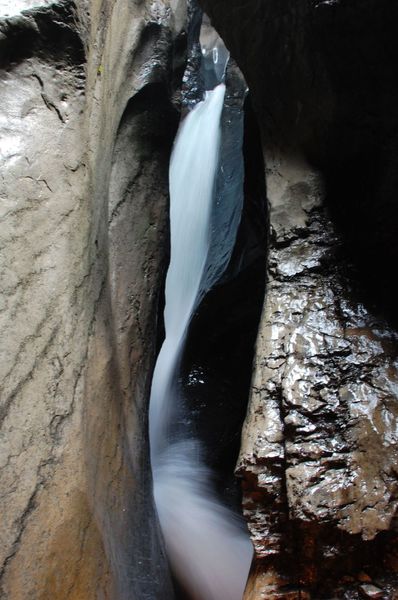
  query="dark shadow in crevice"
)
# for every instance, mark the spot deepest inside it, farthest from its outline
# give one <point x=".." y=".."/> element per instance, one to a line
<point x="361" y="198"/>
<point x="356" y="145"/>
<point x="325" y="555"/>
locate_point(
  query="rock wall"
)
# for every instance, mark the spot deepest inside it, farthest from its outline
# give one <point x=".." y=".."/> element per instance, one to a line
<point x="319" y="445"/>
<point x="319" y="448"/>
<point x="87" y="125"/>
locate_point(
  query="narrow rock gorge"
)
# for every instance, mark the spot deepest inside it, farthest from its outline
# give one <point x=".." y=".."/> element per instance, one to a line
<point x="92" y="93"/>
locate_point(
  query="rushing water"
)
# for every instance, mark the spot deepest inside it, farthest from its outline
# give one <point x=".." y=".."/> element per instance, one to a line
<point x="208" y="548"/>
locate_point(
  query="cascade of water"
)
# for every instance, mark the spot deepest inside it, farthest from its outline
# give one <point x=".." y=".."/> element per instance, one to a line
<point x="207" y="546"/>
<point x="192" y="170"/>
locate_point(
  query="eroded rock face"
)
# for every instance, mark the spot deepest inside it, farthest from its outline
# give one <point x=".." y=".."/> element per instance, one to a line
<point x="84" y="238"/>
<point x="319" y="445"/>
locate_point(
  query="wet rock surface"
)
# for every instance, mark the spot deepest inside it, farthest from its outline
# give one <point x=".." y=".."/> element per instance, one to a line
<point x="320" y="445"/>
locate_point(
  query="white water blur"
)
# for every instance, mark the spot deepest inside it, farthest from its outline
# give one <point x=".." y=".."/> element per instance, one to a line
<point x="208" y="549"/>
<point x="11" y="8"/>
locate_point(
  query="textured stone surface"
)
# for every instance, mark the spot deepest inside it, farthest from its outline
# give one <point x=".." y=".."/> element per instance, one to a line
<point x="83" y="236"/>
<point x="320" y="440"/>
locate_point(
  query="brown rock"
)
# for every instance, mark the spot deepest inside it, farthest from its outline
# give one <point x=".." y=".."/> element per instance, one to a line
<point x="87" y="127"/>
<point x="315" y="451"/>
<point x="319" y="445"/>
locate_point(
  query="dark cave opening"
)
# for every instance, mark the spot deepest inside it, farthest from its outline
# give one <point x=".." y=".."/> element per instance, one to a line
<point x="353" y="47"/>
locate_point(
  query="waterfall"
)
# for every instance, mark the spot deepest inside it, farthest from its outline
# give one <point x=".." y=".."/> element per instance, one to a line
<point x="208" y="548"/>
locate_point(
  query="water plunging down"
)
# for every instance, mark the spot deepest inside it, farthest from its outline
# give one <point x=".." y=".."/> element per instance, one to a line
<point x="208" y="548"/>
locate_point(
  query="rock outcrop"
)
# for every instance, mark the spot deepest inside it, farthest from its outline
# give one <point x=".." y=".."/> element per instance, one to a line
<point x="319" y="447"/>
<point x="320" y="444"/>
<point x="87" y="126"/>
